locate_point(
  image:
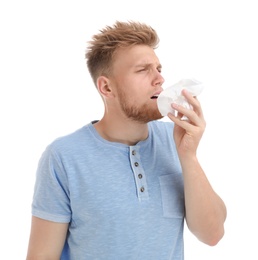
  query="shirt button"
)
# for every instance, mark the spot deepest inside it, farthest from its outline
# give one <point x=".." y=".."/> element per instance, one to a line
<point x="136" y="164"/>
<point x="133" y="152"/>
<point x="139" y="176"/>
<point x="142" y="189"/>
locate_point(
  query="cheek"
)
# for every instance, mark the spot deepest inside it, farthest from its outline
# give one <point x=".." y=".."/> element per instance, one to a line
<point x="132" y="90"/>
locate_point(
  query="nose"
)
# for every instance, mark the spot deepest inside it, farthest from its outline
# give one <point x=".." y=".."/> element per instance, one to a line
<point x="158" y="80"/>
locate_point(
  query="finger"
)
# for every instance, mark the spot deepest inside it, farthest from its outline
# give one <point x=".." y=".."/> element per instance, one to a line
<point x="184" y="113"/>
<point x="185" y="124"/>
<point x="193" y="101"/>
<point x="192" y="126"/>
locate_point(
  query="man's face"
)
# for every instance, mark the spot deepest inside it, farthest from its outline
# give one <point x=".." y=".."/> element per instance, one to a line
<point x="137" y="80"/>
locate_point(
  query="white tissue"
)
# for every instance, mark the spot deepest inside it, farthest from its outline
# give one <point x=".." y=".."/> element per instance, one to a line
<point x="173" y="94"/>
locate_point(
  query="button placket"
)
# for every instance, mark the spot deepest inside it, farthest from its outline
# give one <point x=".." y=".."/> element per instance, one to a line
<point x="139" y="175"/>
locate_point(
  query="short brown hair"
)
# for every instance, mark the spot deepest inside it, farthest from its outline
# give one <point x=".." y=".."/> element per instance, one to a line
<point x="101" y="48"/>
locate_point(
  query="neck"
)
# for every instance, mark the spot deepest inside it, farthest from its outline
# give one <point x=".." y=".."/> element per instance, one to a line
<point x="127" y="132"/>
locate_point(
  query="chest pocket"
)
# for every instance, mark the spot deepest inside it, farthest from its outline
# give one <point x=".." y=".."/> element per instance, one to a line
<point x="172" y="193"/>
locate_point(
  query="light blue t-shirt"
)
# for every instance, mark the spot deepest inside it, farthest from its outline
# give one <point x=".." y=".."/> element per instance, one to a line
<point x="122" y="202"/>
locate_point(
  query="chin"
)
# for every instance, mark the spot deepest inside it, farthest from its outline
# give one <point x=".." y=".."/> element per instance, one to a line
<point x="154" y="116"/>
<point x="157" y="116"/>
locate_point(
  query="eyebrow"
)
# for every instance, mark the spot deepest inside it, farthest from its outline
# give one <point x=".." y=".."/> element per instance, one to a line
<point x="146" y="65"/>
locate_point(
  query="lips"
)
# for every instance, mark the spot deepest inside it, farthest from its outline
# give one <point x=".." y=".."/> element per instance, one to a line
<point x="156" y="95"/>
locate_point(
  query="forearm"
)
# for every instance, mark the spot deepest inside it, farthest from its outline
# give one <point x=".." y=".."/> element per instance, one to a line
<point x="205" y="210"/>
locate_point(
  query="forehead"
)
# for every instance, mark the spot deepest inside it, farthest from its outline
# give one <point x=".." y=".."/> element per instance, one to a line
<point x="135" y="56"/>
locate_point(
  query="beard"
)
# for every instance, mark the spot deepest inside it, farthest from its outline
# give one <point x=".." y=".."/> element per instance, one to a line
<point x="141" y="114"/>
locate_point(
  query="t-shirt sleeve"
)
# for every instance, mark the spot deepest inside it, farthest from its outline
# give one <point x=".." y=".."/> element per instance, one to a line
<point x="51" y="194"/>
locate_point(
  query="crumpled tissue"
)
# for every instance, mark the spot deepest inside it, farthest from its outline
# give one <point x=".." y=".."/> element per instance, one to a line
<point x="173" y="94"/>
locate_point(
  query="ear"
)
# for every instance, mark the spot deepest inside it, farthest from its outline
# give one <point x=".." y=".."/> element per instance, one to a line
<point x="104" y="88"/>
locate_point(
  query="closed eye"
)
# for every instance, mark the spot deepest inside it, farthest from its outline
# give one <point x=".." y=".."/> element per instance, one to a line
<point x="141" y="70"/>
<point x="159" y="68"/>
<point x="148" y="67"/>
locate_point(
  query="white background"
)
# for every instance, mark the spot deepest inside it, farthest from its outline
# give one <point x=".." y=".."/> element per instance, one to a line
<point x="46" y="91"/>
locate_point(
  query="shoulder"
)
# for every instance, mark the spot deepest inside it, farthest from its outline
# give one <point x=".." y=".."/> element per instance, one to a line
<point x="71" y="142"/>
<point x="161" y="126"/>
<point x="162" y="138"/>
<point x="162" y="131"/>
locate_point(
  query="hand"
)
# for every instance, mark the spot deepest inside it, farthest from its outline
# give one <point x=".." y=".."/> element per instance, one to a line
<point x="188" y="133"/>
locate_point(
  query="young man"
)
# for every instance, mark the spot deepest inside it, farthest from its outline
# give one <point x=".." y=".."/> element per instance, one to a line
<point x="121" y="187"/>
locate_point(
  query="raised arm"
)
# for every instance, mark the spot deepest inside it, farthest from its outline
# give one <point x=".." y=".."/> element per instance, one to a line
<point x="205" y="210"/>
<point x="46" y="239"/>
